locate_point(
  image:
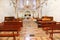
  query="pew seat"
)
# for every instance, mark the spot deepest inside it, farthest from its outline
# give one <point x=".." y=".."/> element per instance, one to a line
<point x="8" y="35"/>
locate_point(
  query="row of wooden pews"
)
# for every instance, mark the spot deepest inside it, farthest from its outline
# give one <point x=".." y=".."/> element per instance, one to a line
<point x="49" y="26"/>
<point x="10" y="24"/>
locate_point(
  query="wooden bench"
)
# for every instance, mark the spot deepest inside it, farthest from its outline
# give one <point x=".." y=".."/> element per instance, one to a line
<point x="55" y="27"/>
<point x="8" y="35"/>
<point x="52" y="29"/>
<point x="48" y="25"/>
<point x="10" y="26"/>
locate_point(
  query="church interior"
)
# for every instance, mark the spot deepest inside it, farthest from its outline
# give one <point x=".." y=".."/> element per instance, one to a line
<point x="29" y="19"/>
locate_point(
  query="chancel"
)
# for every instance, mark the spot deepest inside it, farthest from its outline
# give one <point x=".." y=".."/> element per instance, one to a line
<point x="29" y="20"/>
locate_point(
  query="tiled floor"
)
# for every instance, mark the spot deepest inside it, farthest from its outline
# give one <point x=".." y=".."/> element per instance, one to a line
<point x="30" y="31"/>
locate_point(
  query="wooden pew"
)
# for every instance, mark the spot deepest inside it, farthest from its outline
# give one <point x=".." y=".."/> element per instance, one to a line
<point x="50" y="25"/>
<point x="52" y="28"/>
<point x="10" y="26"/>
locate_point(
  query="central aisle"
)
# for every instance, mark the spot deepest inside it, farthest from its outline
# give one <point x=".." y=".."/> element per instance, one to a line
<point x="30" y="31"/>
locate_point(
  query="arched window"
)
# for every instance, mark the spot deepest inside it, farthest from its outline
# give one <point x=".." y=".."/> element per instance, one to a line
<point x="34" y="4"/>
<point x="26" y="2"/>
<point x="21" y="3"/>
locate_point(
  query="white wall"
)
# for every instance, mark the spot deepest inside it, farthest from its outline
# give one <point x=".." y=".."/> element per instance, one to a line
<point x="52" y="9"/>
<point x="6" y="9"/>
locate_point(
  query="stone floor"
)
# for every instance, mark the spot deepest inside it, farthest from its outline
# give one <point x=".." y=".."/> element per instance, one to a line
<point x="30" y="31"/>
